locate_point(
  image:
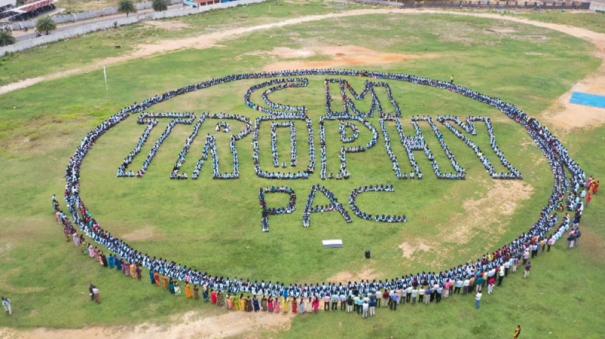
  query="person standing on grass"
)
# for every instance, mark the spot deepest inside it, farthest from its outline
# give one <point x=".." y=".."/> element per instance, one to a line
<point x="527" y="269"/>
<point x="500" y="275"/>
<point x="96" y="294"/>
<point x="90" y="288"/>
<point x="365" y="309"/>
<point x="478" y="299"/>
<point x="517" y="332"/>
<point x="7" y="305"/>
<point x="373" y="303"/>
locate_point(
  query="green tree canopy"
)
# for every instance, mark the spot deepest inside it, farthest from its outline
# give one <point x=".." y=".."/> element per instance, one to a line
<point x="159" y="5"/>
<point x="45" y="25"/>
<point x="6" y="38"/>
<point x="126" y="6"/>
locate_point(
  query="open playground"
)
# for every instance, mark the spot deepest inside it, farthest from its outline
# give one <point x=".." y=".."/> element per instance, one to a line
<point x="199" y="162"/>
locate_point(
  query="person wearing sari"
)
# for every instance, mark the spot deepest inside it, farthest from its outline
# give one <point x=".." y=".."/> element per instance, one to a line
<point x="133" y="271"/>
<point x="255" y="304"/>
<point x="171" y="287"/>
<point x="102" y="259"/>
<point x="294" y="305"/>
<point x="285" y="305"/>
<point x="220" y="299"/>
<point x="151" y="277"/>
<point x="157" y="279"/>
<point x="118" y="263"/>
<point x="270" y="305"/>
<point x="138" y="271"/>
<point x="235" y="303"/>
<point x="188" y="291"/>
<point x="196" y="292"/>
<point x="308" y="304"/>
<point x="126" y="268"/>
<point x="263" y="303"/>
<point x="276" y="305"/>
<point x="301" y="306"/>
<point x="111" y="261"/>
<point x="315" y="305"/>
<point x="247" y="304"/>
<point x="205" y="294"/>
<point x="165" y="282"/>
<point x="230" y="303"/>
<point x="177" y="288"/>
<point x="242" y="302"/>
<point x="213" y="297"/>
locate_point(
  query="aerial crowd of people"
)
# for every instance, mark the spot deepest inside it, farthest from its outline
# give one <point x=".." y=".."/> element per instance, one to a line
<point x="286" y="118"/>
<point x="569" y="183"/>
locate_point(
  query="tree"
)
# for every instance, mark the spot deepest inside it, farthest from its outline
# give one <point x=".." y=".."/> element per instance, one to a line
<point x="126" y="6"/>
<point x="45" y="25"/>
<point x="6" y="38"/>
<point x="159" y="5"/>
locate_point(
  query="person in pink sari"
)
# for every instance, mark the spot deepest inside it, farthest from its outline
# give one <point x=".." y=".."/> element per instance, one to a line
<point x="276" y="306"/>
<point x="315" y="305"/>
<point x="229" y="303"/>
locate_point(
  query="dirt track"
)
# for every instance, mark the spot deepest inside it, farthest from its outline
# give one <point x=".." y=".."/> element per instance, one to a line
<point x="563" y="115"/>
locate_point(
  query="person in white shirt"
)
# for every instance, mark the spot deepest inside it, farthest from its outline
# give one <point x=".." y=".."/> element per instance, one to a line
<point x="365" y="308"/>
<point x="478" y="299"/>
<point x="8" y="307"/>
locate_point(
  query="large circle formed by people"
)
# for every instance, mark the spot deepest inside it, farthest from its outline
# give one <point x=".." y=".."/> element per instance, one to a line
<point x="555" y="153"/>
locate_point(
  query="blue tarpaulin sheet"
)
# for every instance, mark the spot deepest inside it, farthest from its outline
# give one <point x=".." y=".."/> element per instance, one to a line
<point x="587" y="99"/>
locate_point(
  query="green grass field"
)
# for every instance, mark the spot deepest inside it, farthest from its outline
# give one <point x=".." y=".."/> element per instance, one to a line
<point x="215" y="225"/>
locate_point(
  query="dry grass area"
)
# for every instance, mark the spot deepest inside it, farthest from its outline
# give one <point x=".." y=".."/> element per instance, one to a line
<point x="488" y="214"/>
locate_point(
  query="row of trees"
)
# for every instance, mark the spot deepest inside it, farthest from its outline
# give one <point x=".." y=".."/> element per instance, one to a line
<point x="46" y="24"/>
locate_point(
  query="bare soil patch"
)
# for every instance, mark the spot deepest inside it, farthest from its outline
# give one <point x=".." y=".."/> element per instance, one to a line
<point x="408" y="249"/>
<point x="480" y="215"/>
<point x="339" y="56"/>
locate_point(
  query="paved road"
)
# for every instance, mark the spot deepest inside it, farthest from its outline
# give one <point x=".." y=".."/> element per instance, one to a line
<point x="31" y="33"/>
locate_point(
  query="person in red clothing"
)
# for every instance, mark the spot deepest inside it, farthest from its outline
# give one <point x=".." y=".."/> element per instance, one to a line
<point x="315" y="305"/>
<point x="294" y="305"/>
<point x="588" y="198"/>
<point x="213" y="297"/>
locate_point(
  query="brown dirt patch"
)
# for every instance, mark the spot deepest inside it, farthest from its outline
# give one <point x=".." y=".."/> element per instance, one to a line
<point x="479" y="215"/>
<point x="189" y="325"/>
<point x="339" y="56"/>
<point x="566" y="116"/>
<point x="168" y="25"/>
<point x="409" y="249"/>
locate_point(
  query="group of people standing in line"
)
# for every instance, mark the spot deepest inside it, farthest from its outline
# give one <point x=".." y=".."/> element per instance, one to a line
<point x="362" y="302"/>
<point x="568" y="175"/>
